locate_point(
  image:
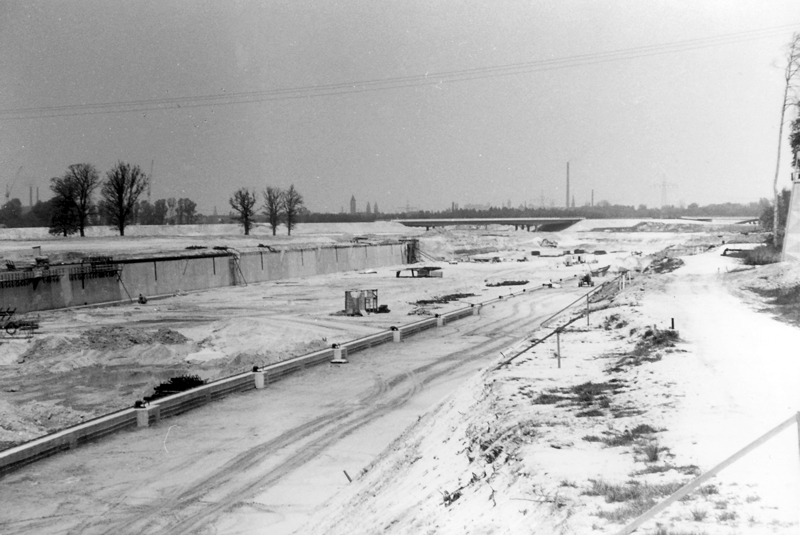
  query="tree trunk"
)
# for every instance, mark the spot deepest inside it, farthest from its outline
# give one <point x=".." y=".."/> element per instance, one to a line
<point x="777" y="169"/>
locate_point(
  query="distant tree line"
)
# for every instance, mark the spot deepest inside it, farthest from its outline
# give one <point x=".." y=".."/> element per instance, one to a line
<point x="74" y="207"/>
<point x="602" y="210"/>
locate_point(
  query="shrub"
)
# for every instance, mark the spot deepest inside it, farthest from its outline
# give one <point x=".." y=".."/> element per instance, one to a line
<point x="762" y="255"/>
<point x="652" y="451"/>
<point x="182" y="383"/>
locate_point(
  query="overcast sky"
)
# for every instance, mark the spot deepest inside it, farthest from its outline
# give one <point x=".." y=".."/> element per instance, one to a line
<point x="639" y="97"/>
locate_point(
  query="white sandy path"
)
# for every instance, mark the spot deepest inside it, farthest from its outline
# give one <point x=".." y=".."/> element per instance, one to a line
<point x="740" y="379"/>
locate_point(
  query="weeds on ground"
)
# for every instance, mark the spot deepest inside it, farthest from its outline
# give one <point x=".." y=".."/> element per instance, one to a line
<point x="623" y="439"/>
<point x="786" y="301"/>
<point x="708" y="490"/>
<point x="727" y="516"/>
<point x="664" y="265"/>
<point x="547" y="398"/>
<point x="631" y="490"/>
<point x="637" y="497"/>
<point x="614" y="321"/>
<point x="627" y="511"/>
<point x="585" y="395"/>
<point x="591" y="413"/>
<point x="647" y="348"/>
<point x="698" y="515"/>
<point x="652" y="451"/>
<point x="689" y="469"/>
<point x="662" y="530"/>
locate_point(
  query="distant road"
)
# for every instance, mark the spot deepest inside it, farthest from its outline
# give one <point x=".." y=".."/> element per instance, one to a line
<point x="538" y="223"/>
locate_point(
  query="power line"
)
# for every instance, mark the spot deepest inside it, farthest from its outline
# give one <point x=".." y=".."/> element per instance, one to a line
<point x="363" y="86"/>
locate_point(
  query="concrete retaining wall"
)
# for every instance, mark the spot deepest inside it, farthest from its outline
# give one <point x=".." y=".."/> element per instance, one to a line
<point x="66" y="286"/>
<point x="16" y="457"/>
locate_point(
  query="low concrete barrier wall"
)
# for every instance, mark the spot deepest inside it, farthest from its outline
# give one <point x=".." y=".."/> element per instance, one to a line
<point x="173" y="405"/>
<point x="40" y="448"/>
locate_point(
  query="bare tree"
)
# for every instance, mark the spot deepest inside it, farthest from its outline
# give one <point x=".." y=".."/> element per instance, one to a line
<point x="273" y="207"/>
<point x="74" y="192"/>
<point x="790" y="98"/>
<point x="292" y="203"/>
<point x="186" y="212"/>
<point x="243" y="202"/>
<point x="123" y="186"/>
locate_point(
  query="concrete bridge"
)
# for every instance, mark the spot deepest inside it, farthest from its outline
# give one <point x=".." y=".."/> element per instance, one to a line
<point x="538" y="223"/>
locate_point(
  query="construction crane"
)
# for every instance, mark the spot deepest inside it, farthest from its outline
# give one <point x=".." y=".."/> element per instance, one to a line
<point x="10" y="186"/>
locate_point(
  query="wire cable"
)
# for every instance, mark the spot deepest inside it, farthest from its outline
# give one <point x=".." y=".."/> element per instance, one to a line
<point x="392" y="83"/>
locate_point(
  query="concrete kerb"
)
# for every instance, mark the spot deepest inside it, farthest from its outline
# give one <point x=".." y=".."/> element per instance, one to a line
<point x="259" y="378"/>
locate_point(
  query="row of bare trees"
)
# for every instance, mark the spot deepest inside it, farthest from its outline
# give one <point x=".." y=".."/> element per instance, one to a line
<point x="73" y="205"/>
<point x="280" y="207"/>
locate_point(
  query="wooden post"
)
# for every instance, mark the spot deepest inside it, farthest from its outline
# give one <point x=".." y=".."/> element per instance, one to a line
<point x="558" y="347"/>
<point x="798" y="431"/>
<point x="587" y="310"/>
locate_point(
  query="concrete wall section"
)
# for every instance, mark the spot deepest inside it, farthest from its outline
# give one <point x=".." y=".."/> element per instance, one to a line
<point x="66" y="286"/>
<point x="261" y="266"/>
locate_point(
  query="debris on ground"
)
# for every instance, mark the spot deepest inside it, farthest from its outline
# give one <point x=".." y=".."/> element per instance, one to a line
<point x="118" y="337"/>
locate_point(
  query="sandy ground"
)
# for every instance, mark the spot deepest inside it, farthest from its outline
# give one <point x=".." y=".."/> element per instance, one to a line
<point x="704" y="402"/>
<point x="491" y="460"/>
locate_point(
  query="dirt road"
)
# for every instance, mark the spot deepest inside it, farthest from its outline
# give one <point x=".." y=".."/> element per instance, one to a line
<point x="263" y="458"/>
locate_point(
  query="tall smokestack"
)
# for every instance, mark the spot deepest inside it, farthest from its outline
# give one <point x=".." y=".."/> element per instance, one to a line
<point x="30" y="197"/>
<point x="592" y="197"/>
<point x="567" y="185"/>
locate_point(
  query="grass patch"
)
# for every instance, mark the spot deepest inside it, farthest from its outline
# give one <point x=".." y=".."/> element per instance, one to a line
<point x="627" y="511"/>
<point x="629" y="437"/>
<point x="689" y="469"/>
<point x="631" y="490"/>
<point x="637" y="497"/>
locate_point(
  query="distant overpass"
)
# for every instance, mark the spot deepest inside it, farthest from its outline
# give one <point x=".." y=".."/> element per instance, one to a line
<point x="741" y="220"/>
<point x="537" y="223"/>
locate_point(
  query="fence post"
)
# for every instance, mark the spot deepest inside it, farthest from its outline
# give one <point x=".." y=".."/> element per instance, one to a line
<point x="558" y="347"/>
<point x="798" y="431"/>
<point x="587" y="309"/>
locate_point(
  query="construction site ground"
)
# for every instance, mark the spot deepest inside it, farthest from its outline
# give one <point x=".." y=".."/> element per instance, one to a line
<point x="272" y="459"/>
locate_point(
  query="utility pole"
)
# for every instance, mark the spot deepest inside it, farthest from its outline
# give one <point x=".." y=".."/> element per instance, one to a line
<point x="567" y="205"/>
<point x="150" y="182"/>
